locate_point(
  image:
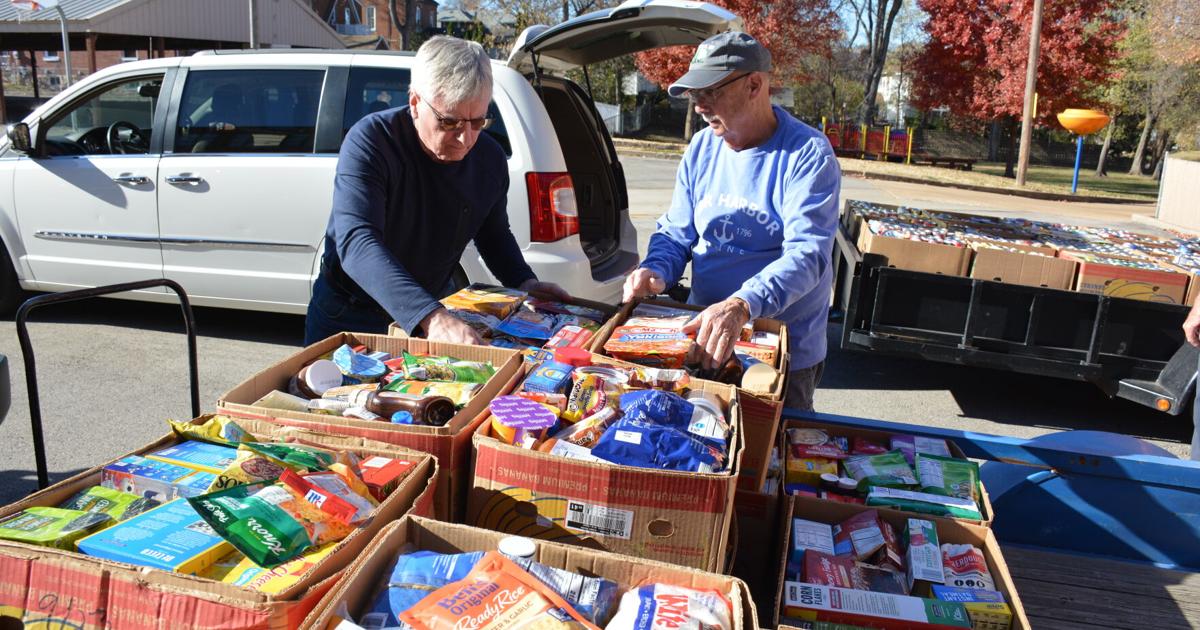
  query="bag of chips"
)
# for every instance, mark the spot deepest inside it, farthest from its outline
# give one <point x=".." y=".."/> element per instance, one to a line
<point x="263" y="461"/>
<point x="497" y="593"/>
<point x="948" y="476"/>
<point x="446" y="369"/>
<point x="216" y="430"/>
<point x="649" y="445"/>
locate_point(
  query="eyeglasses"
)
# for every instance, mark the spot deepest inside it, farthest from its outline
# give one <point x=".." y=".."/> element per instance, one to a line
<point x="708" y="94"/>
<point x="446" y="123"/>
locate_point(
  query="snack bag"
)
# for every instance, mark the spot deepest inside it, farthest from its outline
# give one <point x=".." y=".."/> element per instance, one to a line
<point x="888" y="470"/>
<point x="216" y="430"/>
<point x="657" y="606"/>
<point x="948" y="476"/>
<point x="673" y="410"/>
<point x="447" y="369"/>
<point x="263" y="461"/>
<point x="52" y="527"/>
<point x="114" y="503"/>
<point x="589" y="395"/>
<point x="658" y="378"/>
<point x="496" y="595"/>
<point x="274" y="523"/>
<point x="648" y="445"/>
<point x="357" y="367"/>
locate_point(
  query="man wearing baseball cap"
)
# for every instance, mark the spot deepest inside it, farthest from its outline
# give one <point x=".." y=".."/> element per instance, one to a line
<point x="754" y="210"/>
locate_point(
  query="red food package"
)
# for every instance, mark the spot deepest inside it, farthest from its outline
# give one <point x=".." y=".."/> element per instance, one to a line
<point x="869" y="538"/>
<point x="863" y="446"/>
<point x="843" y="498"/>
<point x="828" y="450"/>
<point x="839" y="571"/>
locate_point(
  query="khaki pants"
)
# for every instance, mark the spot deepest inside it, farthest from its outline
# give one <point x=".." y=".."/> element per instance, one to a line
<point x="801" y="385"/>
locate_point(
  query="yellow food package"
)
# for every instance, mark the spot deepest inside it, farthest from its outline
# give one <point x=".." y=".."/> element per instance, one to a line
<point x="265" y="461"/>
<point x="236" y="569"/>
<point x="589" y="396"/>
<point x="809" y="470"/>
<point x="217" y="430"/>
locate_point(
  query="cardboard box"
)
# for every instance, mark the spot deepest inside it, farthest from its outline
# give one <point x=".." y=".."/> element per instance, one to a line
<point x="451" y="444"/>
<point x="678" y="517"/>
<point x="998" y="265"/>
<point x="760" y="410"/>
<point x="355" y="594"/>
<point x="916" y="255"/>
<point x="757" y="516"/>
<point x="1163" y="286"/>
<point x="45" y="587"/>
<point x="948" y="531"/>
<point x="1193" y="289"/>
<point x="985" y="502"/>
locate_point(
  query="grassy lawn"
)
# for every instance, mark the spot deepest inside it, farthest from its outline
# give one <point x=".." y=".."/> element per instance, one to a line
<point x="1187" y="155"/>
<point x="1040" y="178"/>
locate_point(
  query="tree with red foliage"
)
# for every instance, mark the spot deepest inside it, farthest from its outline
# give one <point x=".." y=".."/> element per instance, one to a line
<point x="790" y="29"/>
<point x="974" y="62"/>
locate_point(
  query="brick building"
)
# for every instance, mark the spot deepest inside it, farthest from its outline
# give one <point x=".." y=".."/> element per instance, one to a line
<point x="368" y="23"/>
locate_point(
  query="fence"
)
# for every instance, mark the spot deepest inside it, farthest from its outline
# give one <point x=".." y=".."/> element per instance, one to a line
<point x="1178" y="194"/>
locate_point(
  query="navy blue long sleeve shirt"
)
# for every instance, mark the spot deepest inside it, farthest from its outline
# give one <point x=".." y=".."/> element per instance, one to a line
<point x="401" y="221"/>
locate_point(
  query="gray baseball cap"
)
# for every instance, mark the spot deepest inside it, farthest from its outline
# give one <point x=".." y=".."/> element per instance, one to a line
<point x="720" y="56"/>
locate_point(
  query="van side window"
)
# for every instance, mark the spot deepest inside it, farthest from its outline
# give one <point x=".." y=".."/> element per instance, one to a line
<point x="116" y="120"/>
<point x="369" y="90"/>
<point x="249" y="111"/>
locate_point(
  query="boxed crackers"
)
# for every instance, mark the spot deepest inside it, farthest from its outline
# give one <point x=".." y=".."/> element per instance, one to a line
<point x="353" y="597"/>
<point x="42" y="585"/>
<point x="669" y="515"/>
<point x="449" y="443"/>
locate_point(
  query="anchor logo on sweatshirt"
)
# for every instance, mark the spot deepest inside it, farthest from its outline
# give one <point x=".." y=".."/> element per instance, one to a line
<point x="724" y="236"/>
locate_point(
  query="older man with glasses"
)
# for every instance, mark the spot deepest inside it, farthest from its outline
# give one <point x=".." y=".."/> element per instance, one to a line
<point x="413" y="186"/>
<point x="754" y="210"/>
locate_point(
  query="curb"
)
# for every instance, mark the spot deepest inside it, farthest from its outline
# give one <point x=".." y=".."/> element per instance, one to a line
<point x="1163" y="225"/>
<point x="1030" y="194"/>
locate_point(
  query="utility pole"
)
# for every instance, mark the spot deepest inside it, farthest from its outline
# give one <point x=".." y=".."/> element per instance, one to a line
<point x="254" y="23"/>
<point x="1035" y="47"/>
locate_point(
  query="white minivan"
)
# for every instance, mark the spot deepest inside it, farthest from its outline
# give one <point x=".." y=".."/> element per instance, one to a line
<point x="216" y="170"/>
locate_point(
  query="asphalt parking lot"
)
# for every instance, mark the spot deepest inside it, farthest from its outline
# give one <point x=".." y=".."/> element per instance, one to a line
<point x="111" y="372"/>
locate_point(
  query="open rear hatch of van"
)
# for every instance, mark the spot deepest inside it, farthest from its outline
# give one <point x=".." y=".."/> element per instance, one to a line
<point x="636" y="25"/>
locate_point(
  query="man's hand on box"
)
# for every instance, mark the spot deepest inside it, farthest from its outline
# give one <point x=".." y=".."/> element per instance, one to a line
<point x="1191" y="325"/>
<point x="717" y="329"/>
<point x="545" y="290"/>
<point x="441" y="325"/>
<point x="643" y="283"/>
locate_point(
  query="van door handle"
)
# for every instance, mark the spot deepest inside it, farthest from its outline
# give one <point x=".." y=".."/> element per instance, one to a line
<point x="191" y="180"/>
<point x="136" y="180"/>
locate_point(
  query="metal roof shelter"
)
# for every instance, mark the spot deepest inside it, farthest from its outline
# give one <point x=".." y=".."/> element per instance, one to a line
<point x="164" y="25"/>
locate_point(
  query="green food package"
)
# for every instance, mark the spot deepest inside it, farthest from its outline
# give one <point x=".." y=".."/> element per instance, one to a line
<point x="264" y="461"/>
<point x="216" y="430"/>
<point x="52" y="527"/>
<point x="924" y="503"/>
<point x="116" y="504"/>
<point x="446" y="369"/>
<point x="948" y="476"/>
<point x="888" y="470"/>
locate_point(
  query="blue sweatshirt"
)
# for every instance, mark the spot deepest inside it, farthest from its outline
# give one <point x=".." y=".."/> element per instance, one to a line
<point x="401" y="221"/>
<point x="757" y="224"/>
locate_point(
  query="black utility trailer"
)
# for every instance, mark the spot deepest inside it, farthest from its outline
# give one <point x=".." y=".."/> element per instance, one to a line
<point x="1128" y="348"/>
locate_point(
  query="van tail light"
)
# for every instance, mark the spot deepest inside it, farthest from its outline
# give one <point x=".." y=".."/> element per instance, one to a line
<point x="552" y="212"/>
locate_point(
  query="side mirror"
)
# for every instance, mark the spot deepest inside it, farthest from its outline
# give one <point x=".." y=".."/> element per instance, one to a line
<point x="149" y="90"/>
<point x="19" y="138"/>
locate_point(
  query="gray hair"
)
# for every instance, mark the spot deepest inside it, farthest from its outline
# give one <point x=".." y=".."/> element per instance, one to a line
<point x="451" y="71"/>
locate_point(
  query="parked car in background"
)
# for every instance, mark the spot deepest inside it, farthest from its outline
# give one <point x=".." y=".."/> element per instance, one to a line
<point x="216" y="170"/>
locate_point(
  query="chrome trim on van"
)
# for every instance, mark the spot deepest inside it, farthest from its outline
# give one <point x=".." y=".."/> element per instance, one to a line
<point x="133" y="238"/>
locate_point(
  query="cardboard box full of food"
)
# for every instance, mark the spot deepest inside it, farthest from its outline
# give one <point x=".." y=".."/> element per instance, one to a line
<point x="451" y="443"/>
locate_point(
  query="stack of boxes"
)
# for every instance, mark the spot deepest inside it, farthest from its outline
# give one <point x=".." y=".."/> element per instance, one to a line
<point x="1103" y="261"/>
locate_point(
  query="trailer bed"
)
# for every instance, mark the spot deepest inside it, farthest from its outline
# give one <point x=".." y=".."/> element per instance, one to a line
<point x="1074" y="592"/>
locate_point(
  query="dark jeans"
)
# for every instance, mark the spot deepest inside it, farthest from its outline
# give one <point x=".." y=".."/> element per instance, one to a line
<point x="331" y="312"/>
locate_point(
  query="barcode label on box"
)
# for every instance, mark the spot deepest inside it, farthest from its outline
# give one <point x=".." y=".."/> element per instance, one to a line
<point x="598" y="519"/>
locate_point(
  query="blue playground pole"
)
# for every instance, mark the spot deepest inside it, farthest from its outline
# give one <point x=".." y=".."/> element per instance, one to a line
<point x="1078" y="157"/>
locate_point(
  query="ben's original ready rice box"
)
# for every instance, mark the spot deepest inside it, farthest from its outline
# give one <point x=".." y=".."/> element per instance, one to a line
<point x="153" y="479"/>
<point x="171" y="537"/>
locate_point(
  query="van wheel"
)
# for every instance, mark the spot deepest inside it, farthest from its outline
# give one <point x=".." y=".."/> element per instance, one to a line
<point x="11" y="294"/>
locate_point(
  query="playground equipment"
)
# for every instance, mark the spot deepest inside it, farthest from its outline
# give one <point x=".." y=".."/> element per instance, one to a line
<point x="1081" y="122"/>
<point x="880" y="143"/>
